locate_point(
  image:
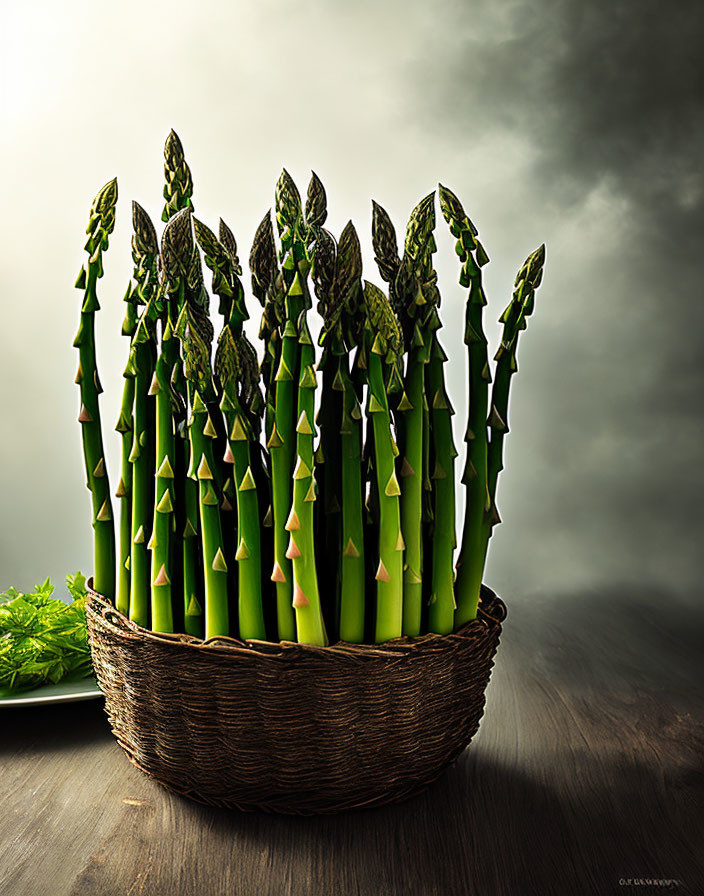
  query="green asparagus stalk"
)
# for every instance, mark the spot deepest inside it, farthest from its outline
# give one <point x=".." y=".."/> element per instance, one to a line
<point x="470" y="565"/>
<point x="337" y="272"/>
<point x="178" y="192"/>
<point x="328" y="460"/>
<point x="282" y="446"/>
<point x="383" y="349"/>
<point x="195" y="331"/>
<point x="100" y="226"/>
<point x="352" y="584"/>
<point x="442" y="601"/>
<point x="310" y="627"/>
<point x="329" y="420"/>
<point x="162" y="543"/>
<point x="164" y="498"/>
<point x="514" y="320"/>
<point x="237" y="375"/>
<point x="268" y="286"/>
<point x="295" y="393"/>
<point x="249" y="552"/>
<point x="125" y="427"/>
<point x="417" y="293"/>
<point x="141" y="364"/>
<point x="202" y="465"/>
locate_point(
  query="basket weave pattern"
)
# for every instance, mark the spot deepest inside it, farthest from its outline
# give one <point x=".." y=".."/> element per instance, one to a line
<point x="290" y="727"/>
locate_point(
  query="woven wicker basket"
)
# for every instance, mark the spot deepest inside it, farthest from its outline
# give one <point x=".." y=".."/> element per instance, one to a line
<point x="289" y="727"/>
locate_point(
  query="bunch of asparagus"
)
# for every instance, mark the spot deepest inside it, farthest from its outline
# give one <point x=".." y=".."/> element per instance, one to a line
<point x="243" y="510"/>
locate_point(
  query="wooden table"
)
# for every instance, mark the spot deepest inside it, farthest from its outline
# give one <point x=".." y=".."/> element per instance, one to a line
<point x="586" y="772"/>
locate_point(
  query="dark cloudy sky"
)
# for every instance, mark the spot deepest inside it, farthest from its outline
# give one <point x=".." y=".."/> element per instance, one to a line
<point x="577" y="124"/>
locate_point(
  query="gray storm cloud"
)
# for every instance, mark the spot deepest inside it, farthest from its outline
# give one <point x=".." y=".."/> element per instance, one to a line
<point x="579" y="125"/>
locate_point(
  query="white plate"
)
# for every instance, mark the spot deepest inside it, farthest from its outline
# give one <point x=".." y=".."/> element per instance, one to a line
<point x="67" y="692"/>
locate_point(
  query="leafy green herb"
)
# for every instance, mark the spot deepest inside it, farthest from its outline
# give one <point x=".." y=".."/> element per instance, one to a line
<point x="43" y="640"/>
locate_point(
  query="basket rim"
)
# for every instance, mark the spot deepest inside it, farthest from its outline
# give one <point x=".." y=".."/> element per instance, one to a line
<point x="491" y="613"/>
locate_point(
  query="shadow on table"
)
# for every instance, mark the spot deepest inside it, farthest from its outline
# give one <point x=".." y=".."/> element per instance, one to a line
<point x="61" y="726"/>
<point x="485" y="829"/>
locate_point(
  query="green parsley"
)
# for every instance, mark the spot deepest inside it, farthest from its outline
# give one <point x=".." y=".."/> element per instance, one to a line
<point x="43" y="640"/>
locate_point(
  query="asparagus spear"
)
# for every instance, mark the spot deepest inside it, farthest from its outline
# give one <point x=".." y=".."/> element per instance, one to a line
<point x="329" y="419"/>
<point x="337" y="273"/>
<point x="295" y="393"/>
<point x="178" y="192"/>
<point x="237" y="376"/>
<point x="230" y="365"/>
<point x="268" y="286"/>
<point x="383" y="350"/>
<point x="162" y="544"/>
<point x="319" y="243"/>
<point x="195" y="331"/>
<point x="125" y="427"/>
<point x="100" y="226"/>
<point x="514" y="317"/>
<point x="427" y="433"/>
<point x="470" y="564"/>
<point x="310" y="627"/>
<point x="416" y="291"/>
<point x="282" y="446"/>
<point x="145" y="253"/>
<point x="442" y="601"/>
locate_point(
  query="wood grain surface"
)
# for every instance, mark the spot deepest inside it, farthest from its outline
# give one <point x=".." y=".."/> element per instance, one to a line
<point x="585" y="778"/>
